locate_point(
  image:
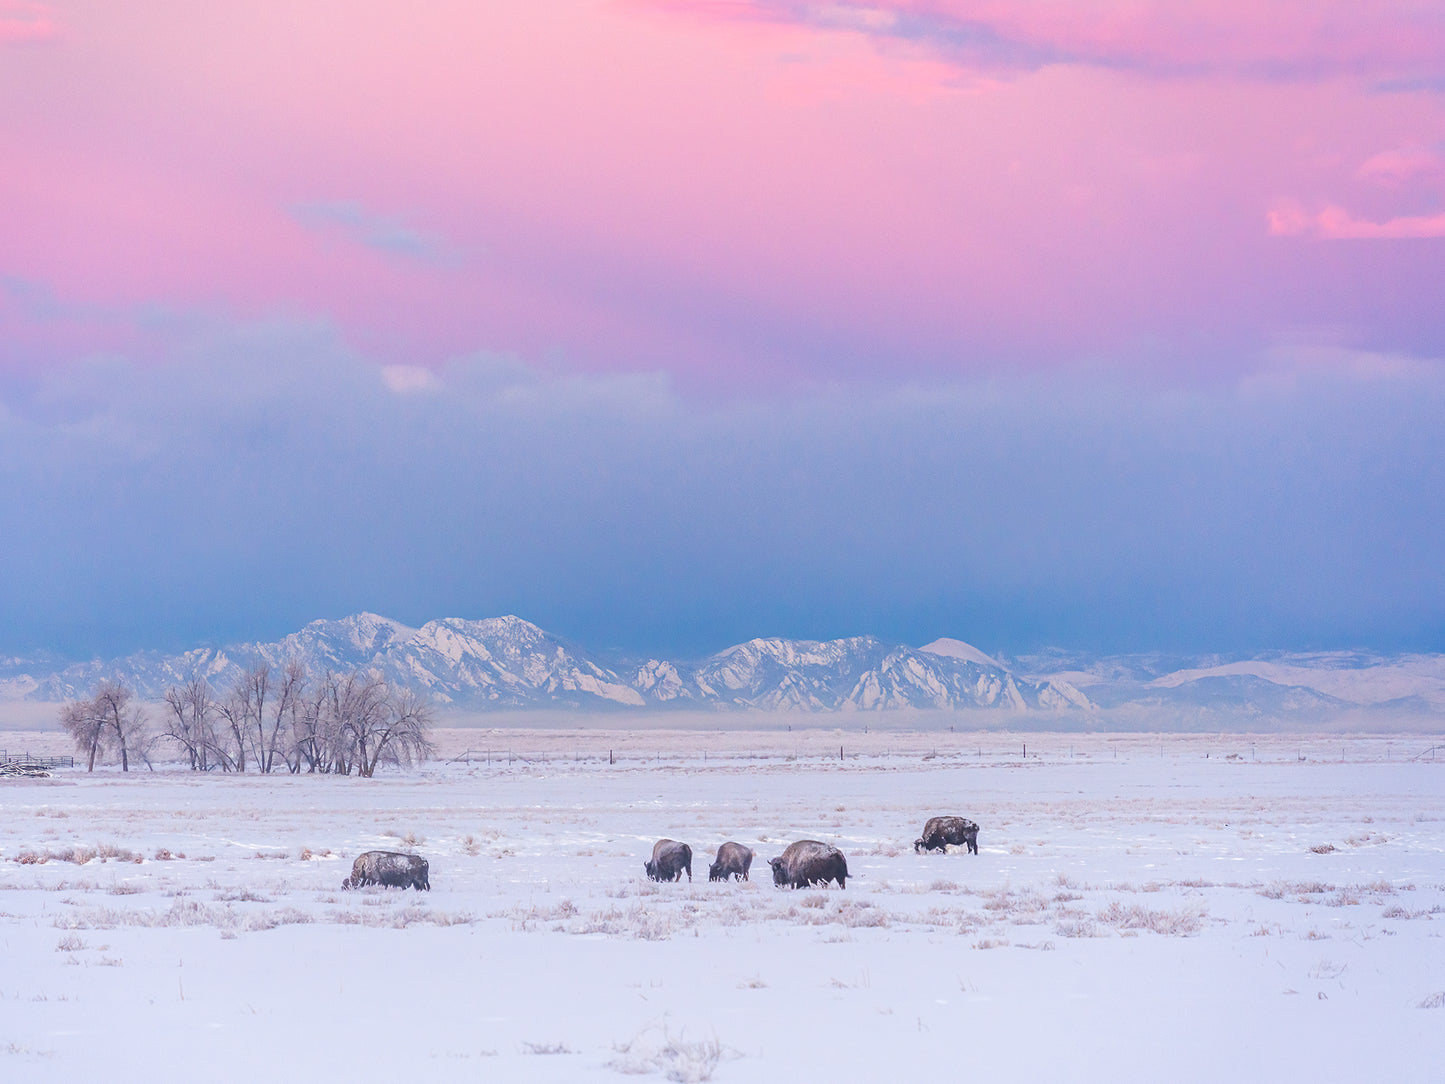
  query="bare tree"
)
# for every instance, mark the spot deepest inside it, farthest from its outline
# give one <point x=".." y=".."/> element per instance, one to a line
<point x="86" y="727"/>
<point x="190" y="721"/>
<point x="107" y="717"/>
<point x="313" y="735"/>
<point x="289" y="714"/>
<point x="399" y="735"/>
<point x="356" y="722"/>
<point x="191" y="717"/>
<point x="239" y="710"/>
<point x="284" y="705"/>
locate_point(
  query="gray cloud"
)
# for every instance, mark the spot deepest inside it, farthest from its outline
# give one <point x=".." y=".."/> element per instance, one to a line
<point x="386" y="234"/>
<point x="267" y="476"/>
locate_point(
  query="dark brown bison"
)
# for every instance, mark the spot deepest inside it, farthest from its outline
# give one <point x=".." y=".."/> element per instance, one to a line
<point x="390" y="868"/>
<point x="808" y="862"/>
<point x="733" y="860"/>
<point x="939" y="832"/>
<point x="669" y="859"/>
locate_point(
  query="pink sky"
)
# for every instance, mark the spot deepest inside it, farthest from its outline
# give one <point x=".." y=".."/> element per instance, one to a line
<point x="766" y="190"/>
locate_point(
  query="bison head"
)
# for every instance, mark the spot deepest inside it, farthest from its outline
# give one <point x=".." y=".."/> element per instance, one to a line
<point x="918" y="846"/>
<point x="651" y="868"/>
<point x="780" y="872"/>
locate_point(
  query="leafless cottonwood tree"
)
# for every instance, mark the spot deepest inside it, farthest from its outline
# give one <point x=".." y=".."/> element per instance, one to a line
<point x="356" y="722"/>
<point x="248" y="726"/>
<point x="399" y="735"/>
<point x="287" y="692"/>
<point x="236" y="710"/>
<point x="107" y="718"/>
<point x="190" y="722"/>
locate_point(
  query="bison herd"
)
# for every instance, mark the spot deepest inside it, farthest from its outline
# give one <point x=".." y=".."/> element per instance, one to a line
<point x="804" y="863"/>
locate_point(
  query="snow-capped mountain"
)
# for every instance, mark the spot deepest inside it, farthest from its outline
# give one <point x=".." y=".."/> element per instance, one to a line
<point x="501" y="662"/>
<point x="509" y="663"/>
<point x="857" y="674"/>
<point x="1279" y="685"/>
<point x="506" y="662"/>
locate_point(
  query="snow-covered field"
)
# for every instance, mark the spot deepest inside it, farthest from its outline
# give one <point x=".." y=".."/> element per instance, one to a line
<point x="1143" y="908"/>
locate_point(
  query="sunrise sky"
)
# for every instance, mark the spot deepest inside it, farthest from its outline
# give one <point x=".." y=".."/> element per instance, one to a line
<point x="1110" y="324"/>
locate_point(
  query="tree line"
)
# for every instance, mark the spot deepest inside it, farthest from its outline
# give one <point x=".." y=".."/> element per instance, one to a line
<point x="269" y="719"/>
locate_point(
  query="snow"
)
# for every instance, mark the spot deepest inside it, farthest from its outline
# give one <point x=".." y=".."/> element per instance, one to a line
<point x="1422" y="676"/>
<point x="957" y="649"/>
<point x="1198" y="907"/>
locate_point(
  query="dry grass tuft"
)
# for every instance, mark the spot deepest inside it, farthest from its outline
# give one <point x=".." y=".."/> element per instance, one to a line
<point x="676" y="1058"/>
<point x="1134" y="917"/>
<point x="547" y="1048"/>
<point x="241" y="895"/>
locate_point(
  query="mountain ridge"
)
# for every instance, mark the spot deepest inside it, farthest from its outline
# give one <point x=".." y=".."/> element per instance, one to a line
<point x="508" y="663"/>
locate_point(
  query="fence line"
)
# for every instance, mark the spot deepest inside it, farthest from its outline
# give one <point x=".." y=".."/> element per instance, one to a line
<point x="27" y="760"/>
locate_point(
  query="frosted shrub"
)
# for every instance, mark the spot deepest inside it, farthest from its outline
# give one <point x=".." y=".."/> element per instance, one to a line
<point x="677" y="1059"/>
<point x="241" y="895"/>
<point x="861" y="914"/>
<point x="636" y="922"/>
<point x="1176" y="923"/>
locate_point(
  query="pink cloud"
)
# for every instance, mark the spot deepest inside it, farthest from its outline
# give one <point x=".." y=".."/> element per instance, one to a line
<point x="630" y="188"/>
<point x="1336" y="224"/>
<point x="1402" y="164"/>
<point x="1389" y="40"/>
<point x="22" y="22"/>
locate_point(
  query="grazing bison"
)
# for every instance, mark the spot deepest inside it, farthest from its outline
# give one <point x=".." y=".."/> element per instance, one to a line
<point x="390" y="868"/>
<point x="733" y="860"/>
<point x="669" y="859"/>
<point x="939" y="832"/>
<point x="808" y="862"/>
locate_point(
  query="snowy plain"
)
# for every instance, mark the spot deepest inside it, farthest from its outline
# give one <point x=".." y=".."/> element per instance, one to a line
<point x="1144" y="907"/>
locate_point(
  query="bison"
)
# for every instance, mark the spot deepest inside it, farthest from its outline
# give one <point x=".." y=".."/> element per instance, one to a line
<point x="390" y="868"/>
<point x="939" y="832"/>
<point x="808" y="862"/>
<point x="669" y="859"/>
<point x="733" y="860"/>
